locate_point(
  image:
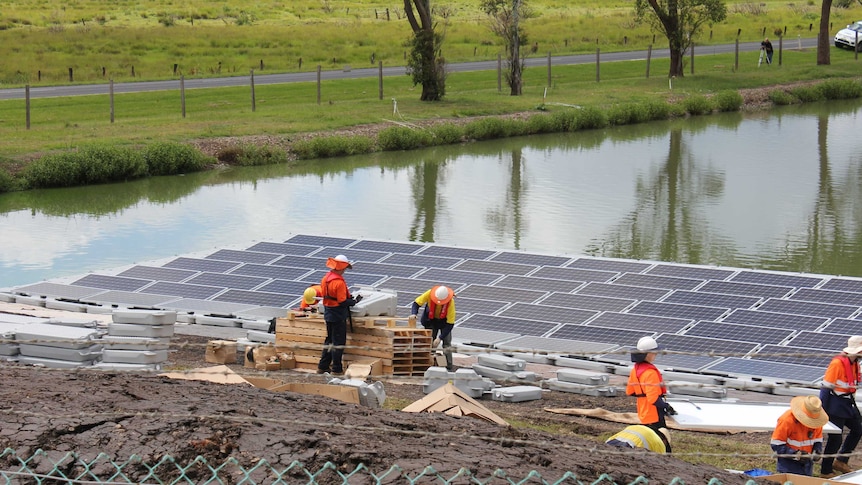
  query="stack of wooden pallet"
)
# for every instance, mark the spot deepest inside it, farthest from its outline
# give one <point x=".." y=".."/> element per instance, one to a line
<point x="400" y="347"/>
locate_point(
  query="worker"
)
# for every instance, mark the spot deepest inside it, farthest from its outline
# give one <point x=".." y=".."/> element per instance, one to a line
<point x="336" y="311"/>
<point x="310" y="298"/>
<point x="645" y="383"/>
<point x="798" y="436"/>
<point x="439" y="316"/>
<point x="837" y="392"/>
<point x="640" y="436"/>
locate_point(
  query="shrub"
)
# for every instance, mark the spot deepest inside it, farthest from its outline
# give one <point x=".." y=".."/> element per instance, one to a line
<point x="807" y="94"/>
<point x="402" y="138"/>
<point x="565" y="120"/>
<point x="541" y="123"/>
<point x="697" y="104"/>
<point x="333" y="146"/>
<point x="487" y="129"/>
<point x="590" y="118"/>
<point x="167" y="158"/>
<point x="726" y="101"/>
<point x="840" y="89"/>
<point x="7" y="182"/>
<point x="94" y="164"/>
<point x="782" y="97"/>
<point x="252" y="155"/>
<point x="628" y="114"/>
<point x="59" y="170"/>
<point x="446" y="134"/>
<point x="657" y="109"/>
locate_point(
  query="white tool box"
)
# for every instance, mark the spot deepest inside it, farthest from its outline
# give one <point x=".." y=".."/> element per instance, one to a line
<point x="375" y="302"/>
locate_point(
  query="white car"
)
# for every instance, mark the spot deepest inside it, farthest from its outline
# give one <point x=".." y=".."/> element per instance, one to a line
<point x="847" y="37"/>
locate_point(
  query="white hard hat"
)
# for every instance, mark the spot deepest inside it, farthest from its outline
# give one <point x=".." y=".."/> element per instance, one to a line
<point x="442" y="293"/>
<point x="647" y="344"/>
<point x="342" y="257"/>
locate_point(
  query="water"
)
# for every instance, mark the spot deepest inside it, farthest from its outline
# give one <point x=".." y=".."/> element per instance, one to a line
<point x="776" y="190"/>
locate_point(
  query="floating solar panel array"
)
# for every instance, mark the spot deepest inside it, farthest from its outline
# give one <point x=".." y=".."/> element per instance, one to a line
<point x="712" y="320"/>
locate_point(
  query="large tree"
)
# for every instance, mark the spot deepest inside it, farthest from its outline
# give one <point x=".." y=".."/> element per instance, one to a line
<point x="426" y="64"/>
<point x="823" y="41"/>
<point x="679" y="21"/>
<point x="505" y="21"/>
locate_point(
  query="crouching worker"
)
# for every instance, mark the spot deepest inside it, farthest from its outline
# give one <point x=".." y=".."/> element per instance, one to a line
<point x="640" y="436"/>
<point x="798" y="436"/>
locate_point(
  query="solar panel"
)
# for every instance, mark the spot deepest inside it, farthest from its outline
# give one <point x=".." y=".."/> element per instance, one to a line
<point x="573" y="274"/>
<point x="843" y="284"/>
<point x="388" y="247"/>
<point x="258" y="298"/>
<point x="208" y="307"/>
<point x="819" y="340"/>
<point x="746" y="289"/>
<point x="808" y="308"/>
<point x="284" y="286"/>
<point x="845" y="326"/>
<point x="420" y="260"/>
<point x="262" y="313"/>
<point x="532" y="259"/>
<point x="518" y="326"/>
<point x="182" y="290"/>
<point x="795" y="355"/>
<point x="352" y="279"/>
<point x="195" y="264"/>
<point x="782" y="371"/>
<point x="320" y="241"/>
<point x="353" y="254"/>
<point x="475" y="305"/>
<point x="485" y="338"/>
<point x="562" y="346"/>
<point x="828" y="296"/>
<point x="777" y="320"/>
<point x="453" y="252"/>
<point x="587" y="302"/>
<point x="57" y="290"/>
<point x="269" y="271"/>
<point x="777" y="279"/>
<point x="693" y="272"/>
<point x="454" y="275"/>
<point x="645" y="323"/>
<point x="684" y="363"/>
<point x="494" y="267"/>
<point x="548" y="313"/>
<point x="129" y="299"/>
<point x="533" y="283"/>
<point x="693" y="344"/>
<point x="111" y="282"/>
<point x="501" y="294"/>
<point x="415" y="287"/>
<point x="157" y="274"/>
<point x="384" y="269"/>
<point x="242" y="256"/>
<point x="735" y="331"/>
<point x="597" y="334"/>
<point x="282" y="248"/>
<point x="677" y="310"/>
<point x="227" y="280"/>
<point x="652" y="281"/>
<point x="711" y="299"/>
<point x="301" y="262"/>
<point x="614" y="266"/>
<point x="622" y="291"/>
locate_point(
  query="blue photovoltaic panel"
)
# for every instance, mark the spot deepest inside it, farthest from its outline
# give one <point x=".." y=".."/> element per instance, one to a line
<point x="548" y="313"/>
<point x="227" y="280"/>
<point x="681" y="362"/>
<point x="777" y="320"/>
<point x="320" y="241"/>
<point x="676" y="310"/>
<point x="313" y="262"/>
<point x="353" y="254"/>
<point x="647" y="324"/>
<point x="777" y="279"/>
<point x="209" y="265"/>
<point x="796" y="355"/>
<point x="500" y="294"/>
<point x="242" y="256"/>
<point x="808" y="308"/>
<point x="711" y="299"/>
<point x="573" y="274"/>
<point x="384" y="269"/>
<point x="622" y="291"/>
<point x="843" y="284"/>
<point x="182" y="290"/>
<point x="597" y="334"/>
<point x="388" y="247"/>
<point x="421" y="260"/>
<point x="157" y="274"/>
<point x="833" y="342"/>
<point x="570" y="348"/>
<point x="257" y="298"/>
<point x="828" y="296"/>
<point x="533" y="259"/>
<point x="697" y="273"/>
<point x="745" y="289"/>
<point x="845" y="326"/>
<point x="494" y="267"/>
<point x="614" y="266"/>
<point x="587" y="302"/>
<point x="269" y="271"/>
<point x="57" y="290"/>
<point x="518" y="326"/>
<point x="415" y="287"/>
<point x="111" y="282"/>
<point x="533" y="283"/>
<point x="460" y="253"/>
<point x="352" y="279"/>
<point x="735" y="331"/>
<point x="282" y="248"/>
<point x="719" y="347"/>
<point x="774" y="370"/>
<point x="208" y="307"/>
<point x="129" y="299"/>
<point x="285" y="286"/>
<point x="652" y="281"/>
<point x="454" y="275"/>
<point x="474" y="305"/>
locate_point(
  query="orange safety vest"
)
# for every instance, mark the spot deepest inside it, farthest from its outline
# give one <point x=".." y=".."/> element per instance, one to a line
<point x="334" y="289"/>
<point x="648" y="387"/>
<point x="842" y="376"/>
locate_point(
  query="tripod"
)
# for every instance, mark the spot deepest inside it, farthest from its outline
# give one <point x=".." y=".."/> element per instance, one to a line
<point x="763" y="57"/>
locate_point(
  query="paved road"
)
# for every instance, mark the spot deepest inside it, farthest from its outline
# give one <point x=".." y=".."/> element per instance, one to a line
<point x="262" y="79"/>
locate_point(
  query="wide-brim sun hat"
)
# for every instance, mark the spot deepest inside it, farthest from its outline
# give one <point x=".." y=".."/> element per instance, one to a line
<point x="808" y="410"/>
<point x="441" y="295"/>
<point x="854" y="345"/>
<point x="339" y="262"/>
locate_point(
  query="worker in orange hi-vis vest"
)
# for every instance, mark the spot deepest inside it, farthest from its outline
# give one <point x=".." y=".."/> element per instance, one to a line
<point x="798" y="436"/>
<point x="336" y="311"/>
<point x="838" y="394"/>
<point x="645" y="383"/>
<point x="310" y="298"/>
<point x="439" y="316"/>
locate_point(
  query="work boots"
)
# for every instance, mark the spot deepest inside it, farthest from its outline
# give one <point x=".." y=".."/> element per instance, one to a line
<point x="841" y="466"/>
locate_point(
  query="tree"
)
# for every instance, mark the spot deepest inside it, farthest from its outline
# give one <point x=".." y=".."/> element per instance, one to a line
<point x="426" y="64"/>
<point x="823" y="40"/>
<point x="680" y="21"/>
<point x="504" y="17"/>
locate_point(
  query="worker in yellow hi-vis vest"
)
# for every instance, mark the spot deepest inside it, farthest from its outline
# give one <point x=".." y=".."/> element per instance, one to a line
<point x="439" y="316"/>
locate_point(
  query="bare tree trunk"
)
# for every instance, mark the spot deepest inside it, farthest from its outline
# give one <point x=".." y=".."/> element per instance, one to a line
<point x="516" y="51"/>
<point x="823" y="44"/>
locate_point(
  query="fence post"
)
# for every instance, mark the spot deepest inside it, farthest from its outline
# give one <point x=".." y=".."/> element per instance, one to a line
<point x="780" y="49"/>
<point x="318" y="84"/>
<point x="856" y="48"/>
<point x="499" y="72"/>
<point x="71" y="80"/>
<point x="549" y="69"/>
<point x="648" y="59"/>
<point x="380" y="78"/>
<point x="27" y="104"/>
<point x="597" y="63"/>
<point x="183" y="94"/>
<point x="111" y="97"/>
<point x="253" y="103"/>
<point x="736" y="56"/>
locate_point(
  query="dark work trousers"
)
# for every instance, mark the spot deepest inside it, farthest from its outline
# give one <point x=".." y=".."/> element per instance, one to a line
<point x="438" y="326"/>
<point x="834" y="442"/>
<point x="336" y="338"/>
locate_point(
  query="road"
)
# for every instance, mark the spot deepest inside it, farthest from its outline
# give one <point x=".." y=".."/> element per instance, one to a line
<point x="263" y="79"/>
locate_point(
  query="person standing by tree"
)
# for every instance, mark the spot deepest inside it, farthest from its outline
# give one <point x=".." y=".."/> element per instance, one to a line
<point x="766" y="46"/>
<point x="837" y="392"/>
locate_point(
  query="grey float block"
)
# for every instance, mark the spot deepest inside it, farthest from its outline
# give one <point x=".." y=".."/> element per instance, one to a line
<point x="116" y="342"/>
<point x="56" y="336"/>
<point x="67" y="306"/>
<point x="750" y="385"/>
<point x="134" y="356"/>
<point x="53" y="363"/>
<point x="30" y="300"/>
<point x="543" y="359"/>
<point x="502" y="362"/>
<point x="100" y="310"/>
<point x="800" y="391"/>
<point x="7" y="298"/>
<point x="185" y="317"/>
<point x="375" y="302"/>
<point x="370" y="395"/>
<point x="144" y="317"/>
<point x="258" y="336"/>
<point x="217" y="321"/>
<point x="74" y="322"/>
<point x="435" y="377"/>
<point x="260" y="325"/>
<point x="585" y="364"/>
<point x="582" y="376"/>
<point x="600" y="391"/>
<point x="492" y="373"/>
<point x="466" y="380"/>
<point x="137" y="330"/>
<point x="516" y="393"/>
<point x="117" y="366"/>
<point x="88" y="354"/>
<point x="670" y="375"/>
<point x="696" y="389"/>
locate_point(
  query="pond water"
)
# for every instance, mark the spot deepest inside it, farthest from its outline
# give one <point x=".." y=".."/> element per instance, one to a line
<point x="775" y="190"/>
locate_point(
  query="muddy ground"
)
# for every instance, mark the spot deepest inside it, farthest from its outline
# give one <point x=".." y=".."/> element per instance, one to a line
<point x="122" y="414"/>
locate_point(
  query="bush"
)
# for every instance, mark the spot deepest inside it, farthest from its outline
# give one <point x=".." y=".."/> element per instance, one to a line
<point x="697" y="104"/>
<point x="487" y="129"/>
<point x="94" y="164"/>
<point x="333" y="146"/>
<point x="726" y="101"/>
<point x="628" y="114"/>
<point x="590" y="119"/>
<point x="657" y="109"/>
<point x="166" y="158"/>
<point x="60" y="170"/>
<point x="446" y="134"/>
<point x="7" y="181"/>
<point x="807" y="94"/>
<point x="782" y="97"/>
<point x="565" y="120"/>
<point x="541" y="123"/>
<point x="840" y="89"/>
<point x="402" y="138"/>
